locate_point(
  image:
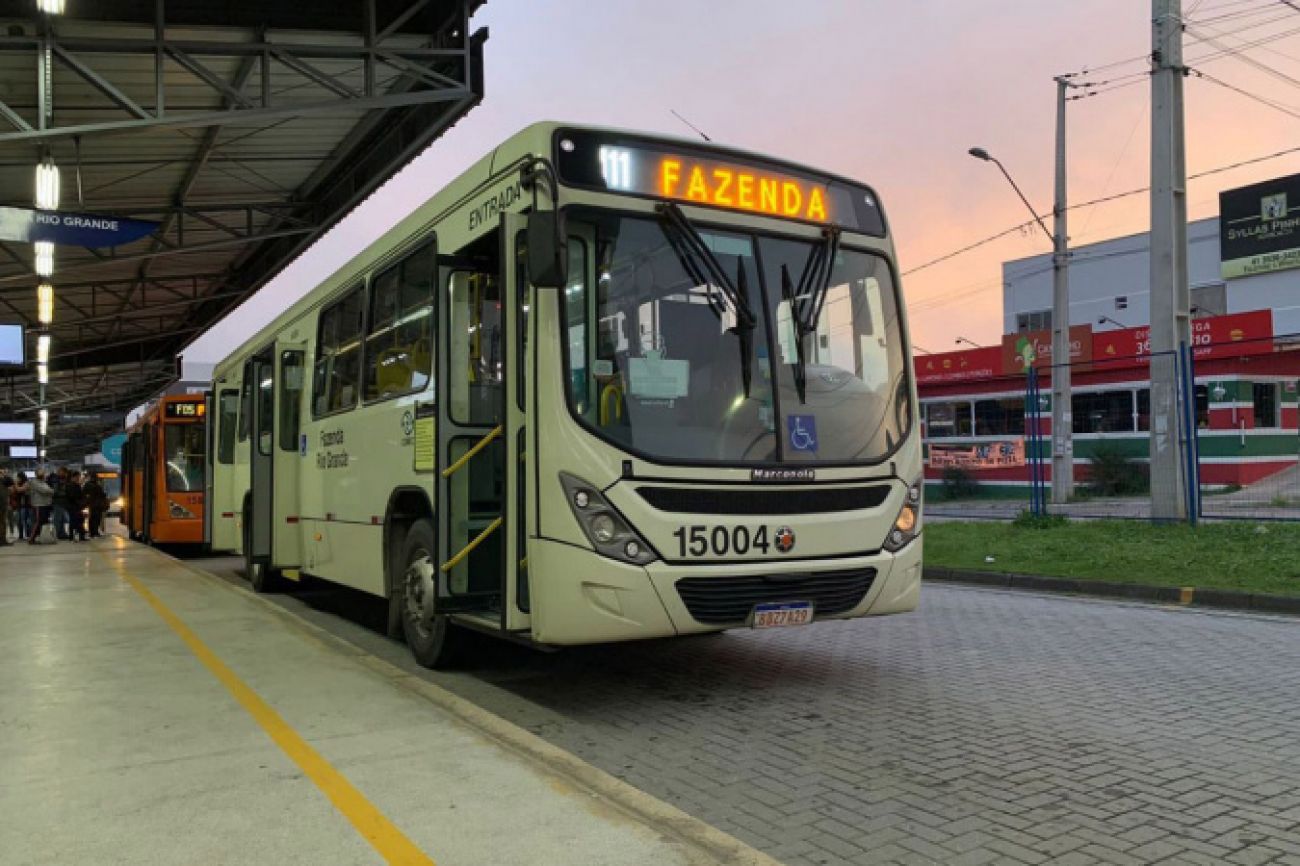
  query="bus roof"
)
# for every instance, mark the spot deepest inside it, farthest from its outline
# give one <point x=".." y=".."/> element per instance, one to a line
<point x="535" y="140"/>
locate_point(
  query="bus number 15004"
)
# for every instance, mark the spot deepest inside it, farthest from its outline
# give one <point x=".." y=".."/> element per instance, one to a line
<point x="721" y="540"/>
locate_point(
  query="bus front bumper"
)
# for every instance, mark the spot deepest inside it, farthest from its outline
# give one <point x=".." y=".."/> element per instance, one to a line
<point x="581" y="597"/>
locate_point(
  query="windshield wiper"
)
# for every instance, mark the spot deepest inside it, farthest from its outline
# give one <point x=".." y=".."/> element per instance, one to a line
<point x="704" y="268"/>
<point x="806" y="300"/>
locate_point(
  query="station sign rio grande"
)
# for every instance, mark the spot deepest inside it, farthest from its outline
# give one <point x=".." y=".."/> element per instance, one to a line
<point x="1259" y="228"/>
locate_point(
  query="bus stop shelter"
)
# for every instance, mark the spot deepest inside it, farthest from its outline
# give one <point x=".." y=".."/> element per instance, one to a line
<point x="241" y="130"/>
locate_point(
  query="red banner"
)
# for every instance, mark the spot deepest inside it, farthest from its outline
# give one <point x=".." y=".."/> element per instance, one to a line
<point x="986" y="455"/>
<point x="1215" y="337"/>
<point x="958" y="366"/>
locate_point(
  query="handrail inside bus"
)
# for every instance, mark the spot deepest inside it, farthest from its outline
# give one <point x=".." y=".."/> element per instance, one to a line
<point x="469" y="548"/>
<point x="469" y="455"/>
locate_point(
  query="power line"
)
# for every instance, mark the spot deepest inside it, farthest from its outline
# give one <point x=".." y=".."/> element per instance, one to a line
<point x="1277" y="106"/>
<point x="1241" y="56"/>
<point x="1103" y="200"/>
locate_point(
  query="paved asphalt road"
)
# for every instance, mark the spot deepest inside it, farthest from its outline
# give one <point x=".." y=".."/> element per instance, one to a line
<point x="989" y="727"/>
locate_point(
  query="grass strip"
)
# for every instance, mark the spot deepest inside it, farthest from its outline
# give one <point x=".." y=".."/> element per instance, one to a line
<point x="1261" y="558"/>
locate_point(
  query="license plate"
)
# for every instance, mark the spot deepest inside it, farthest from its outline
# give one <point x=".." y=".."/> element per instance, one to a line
<point x="783" y="614"/>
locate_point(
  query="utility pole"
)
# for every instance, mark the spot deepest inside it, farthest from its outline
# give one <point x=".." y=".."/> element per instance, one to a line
<point x="1062" y="416"/>
<point x="1170" y="297"/>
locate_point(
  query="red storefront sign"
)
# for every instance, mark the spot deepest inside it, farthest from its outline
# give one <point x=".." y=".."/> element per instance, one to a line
<point x="958" y="366"/>
<point x="1040" y="343"/>
<point x="986" y="455"/>
<point x="1216" y="337"/>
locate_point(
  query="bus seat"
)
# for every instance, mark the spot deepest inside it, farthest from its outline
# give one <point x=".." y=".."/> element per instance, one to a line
<point x="394" y="372"/>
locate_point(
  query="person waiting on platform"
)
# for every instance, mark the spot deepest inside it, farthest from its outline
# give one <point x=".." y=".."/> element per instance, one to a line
<point x="76" y="503"/>
<point x="59" y="502"/>
<point x="23" y="502"/>
<point x="6" y="511"/>
<point x="96" y="503"/>
<point x="42" y="503"/>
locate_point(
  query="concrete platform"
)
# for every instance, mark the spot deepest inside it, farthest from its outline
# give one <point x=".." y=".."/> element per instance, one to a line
<point x="150" y="713"/>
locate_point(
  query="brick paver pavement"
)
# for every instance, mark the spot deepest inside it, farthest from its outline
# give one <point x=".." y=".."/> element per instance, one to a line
<point x="989" y="727"/>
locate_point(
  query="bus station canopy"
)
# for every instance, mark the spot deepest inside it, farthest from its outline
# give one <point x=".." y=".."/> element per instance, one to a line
<point x="243" y="129"/>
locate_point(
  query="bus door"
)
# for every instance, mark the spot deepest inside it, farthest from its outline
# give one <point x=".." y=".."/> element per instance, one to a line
<point x="149" y="477"/>
<point x="517" y="305"/>
<point x="286" y="544"/>
<point x="260" y="371"/>
<point x="471" y="434"/>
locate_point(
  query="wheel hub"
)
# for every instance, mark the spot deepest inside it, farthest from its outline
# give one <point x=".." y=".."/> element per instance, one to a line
<point x="421" y="590"/>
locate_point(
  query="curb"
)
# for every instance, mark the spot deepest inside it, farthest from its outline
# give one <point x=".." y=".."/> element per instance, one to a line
<point x="1187" y="596"/>
<point x="706" y="845"/>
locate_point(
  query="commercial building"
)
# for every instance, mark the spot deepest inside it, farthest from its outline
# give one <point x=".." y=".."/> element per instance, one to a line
<point x="1245" y="306"/>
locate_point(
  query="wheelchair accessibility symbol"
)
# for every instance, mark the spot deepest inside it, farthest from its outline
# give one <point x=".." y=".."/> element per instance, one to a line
<point x="803" y="432"/>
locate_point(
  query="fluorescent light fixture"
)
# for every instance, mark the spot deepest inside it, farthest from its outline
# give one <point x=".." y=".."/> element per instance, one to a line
<point x="50" y="7"/>
<point x="22" y="452"/>
<point x="43" y="374"/>
<point x="45" y="421"/>
<point x="43" y="349"/>
<point x="15" y="431"/>
<point x="44" y="258"/>
<point x="47" y="185"/>
<point x="45" y="303"/>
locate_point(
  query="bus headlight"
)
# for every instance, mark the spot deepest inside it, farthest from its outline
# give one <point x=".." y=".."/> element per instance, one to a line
<point x="604" y="527"/>
<point x="908" y="523"/>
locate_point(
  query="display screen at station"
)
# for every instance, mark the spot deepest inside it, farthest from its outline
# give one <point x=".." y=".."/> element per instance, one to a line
<point x="186" y="411"/>
<point x="22" y="452"/>
<point x="697" y="176"/>
<point x="12" y="345"/>
<point x="17" y="431"/>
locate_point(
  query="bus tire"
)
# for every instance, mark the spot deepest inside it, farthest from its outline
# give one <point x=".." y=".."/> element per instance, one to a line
<point x="431" y="636"/>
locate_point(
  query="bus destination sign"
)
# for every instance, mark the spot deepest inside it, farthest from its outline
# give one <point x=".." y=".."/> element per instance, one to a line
<point x="184" y="411"/>
<point x="682" y="173"/>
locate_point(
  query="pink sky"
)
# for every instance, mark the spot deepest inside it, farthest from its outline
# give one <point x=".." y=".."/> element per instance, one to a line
<point x="889" y="93"/>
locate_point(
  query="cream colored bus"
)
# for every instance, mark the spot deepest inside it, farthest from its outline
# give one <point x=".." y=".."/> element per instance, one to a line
<point x="604" y="386"/>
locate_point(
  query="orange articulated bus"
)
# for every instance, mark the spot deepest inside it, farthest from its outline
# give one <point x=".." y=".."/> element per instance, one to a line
<point x="163" y="467"/>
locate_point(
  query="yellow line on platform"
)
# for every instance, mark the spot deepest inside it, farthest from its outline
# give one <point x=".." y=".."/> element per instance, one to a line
<point x="382" y="834"/>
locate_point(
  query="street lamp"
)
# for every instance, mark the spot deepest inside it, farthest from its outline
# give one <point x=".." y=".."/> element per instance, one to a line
<point x="1062" y="433"/>
<point x="970" y="343"/>
<point x="981" y="153"/>
<point x="1101" y="320"/>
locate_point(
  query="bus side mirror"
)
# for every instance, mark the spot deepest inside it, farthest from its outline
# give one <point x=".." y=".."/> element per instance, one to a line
<point x="548" y="258"/>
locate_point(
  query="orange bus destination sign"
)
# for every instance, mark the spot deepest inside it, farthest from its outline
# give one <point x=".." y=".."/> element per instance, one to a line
<point x="185" y="411"/>
<point x="726" y="185"/>
<point x="703" y="176"/>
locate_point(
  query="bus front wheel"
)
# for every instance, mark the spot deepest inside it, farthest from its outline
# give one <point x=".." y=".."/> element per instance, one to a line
<point x="431" y="636"/>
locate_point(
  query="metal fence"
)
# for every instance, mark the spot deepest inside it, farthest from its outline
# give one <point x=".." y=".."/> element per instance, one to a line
<point x="989" y="441"/>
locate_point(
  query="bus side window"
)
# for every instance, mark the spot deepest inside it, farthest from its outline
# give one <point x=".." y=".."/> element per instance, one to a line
<point x="399" y="344"/>
<point x="337" y="373"/>
<point x="227" y="419"/>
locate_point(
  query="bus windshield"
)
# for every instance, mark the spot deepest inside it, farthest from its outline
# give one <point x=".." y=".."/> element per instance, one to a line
<point x="183" y="447"/>
<point x="656" y="355"/>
